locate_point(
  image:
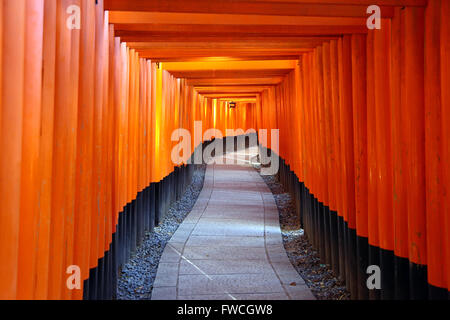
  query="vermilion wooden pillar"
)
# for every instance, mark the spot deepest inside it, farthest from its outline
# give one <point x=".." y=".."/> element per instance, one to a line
<point x="329" y="156"/>
<point x="297" y="109"/>
<point x="359" y="82"/>
<point x="46" y="151"/>
<point x="105" y="198"/>
<point x="63" y="144"/>
<point x="84" y="185"/>
<point x="335" y="117"/>
<point x="306" y="132"/>
<point x="413" y="123"/>
<point x="436" y="263"/>
<point x="341" y="163"/>
<point x="113" y="128"/>
<point x="149" y="120"/>
<point x="29" y="202"/>
<point x="317" y="164"/>
<point x="97" y="229"/>
<point x="398" y="159"/>
<point x="141" y="143"/>
<point x="307" y="121"/>
<point x="157" y="123"/>
<point x="12" y="97"/>
<point x="328" y="120"/>
<point x="132" y="143"/>
<point x="445" y="109"/>
<point x="120" y="123"/>
<point x="346" y="116"/>
<point x="372" y="167"/>
<point x="71" y="154"/>
<point x="322" y="126"/>
<point x="384" y="157"/>
<point x="321" y="152"/>
<point x="107" y="147"/>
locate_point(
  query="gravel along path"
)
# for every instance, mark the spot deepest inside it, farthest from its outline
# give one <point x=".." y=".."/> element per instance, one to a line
<point x="319" y="277"/>
<point x="138" y="274"/>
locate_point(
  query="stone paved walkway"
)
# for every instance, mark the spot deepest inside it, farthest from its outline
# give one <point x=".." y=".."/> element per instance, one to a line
<point x="229" y="247"/>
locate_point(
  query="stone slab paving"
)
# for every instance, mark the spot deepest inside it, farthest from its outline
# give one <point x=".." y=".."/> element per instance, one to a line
<point x="229" y="247"/>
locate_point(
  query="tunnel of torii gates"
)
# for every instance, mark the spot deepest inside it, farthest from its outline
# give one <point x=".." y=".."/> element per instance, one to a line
<point x="86" y="118"/>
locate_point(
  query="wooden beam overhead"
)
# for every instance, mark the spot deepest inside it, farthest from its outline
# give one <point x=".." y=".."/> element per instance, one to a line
<point x="393" y="3"/>
<point x="238" y="45"/>
<point x="230" y="65"/>
<point x="242" y="100"/>
<point x="135" y="17"/>
<point x="143" y="36"/>
<point x="237" y="30"/>
<point x="234" y="89"/>
<point x="213" y="52"/>
<point x="236" y="74"/>
<point x="207" y="58"/>
<point x="230" y="95"/>
<point x="245" y="7"/>
<point x="230" y="54"/>
<point x="230" y="82"/>
<point x="249" y="100"/>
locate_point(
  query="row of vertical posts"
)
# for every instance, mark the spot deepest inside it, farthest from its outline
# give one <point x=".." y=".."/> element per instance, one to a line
<point x="364" y="137"/>
<point x="85" y="133"/>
